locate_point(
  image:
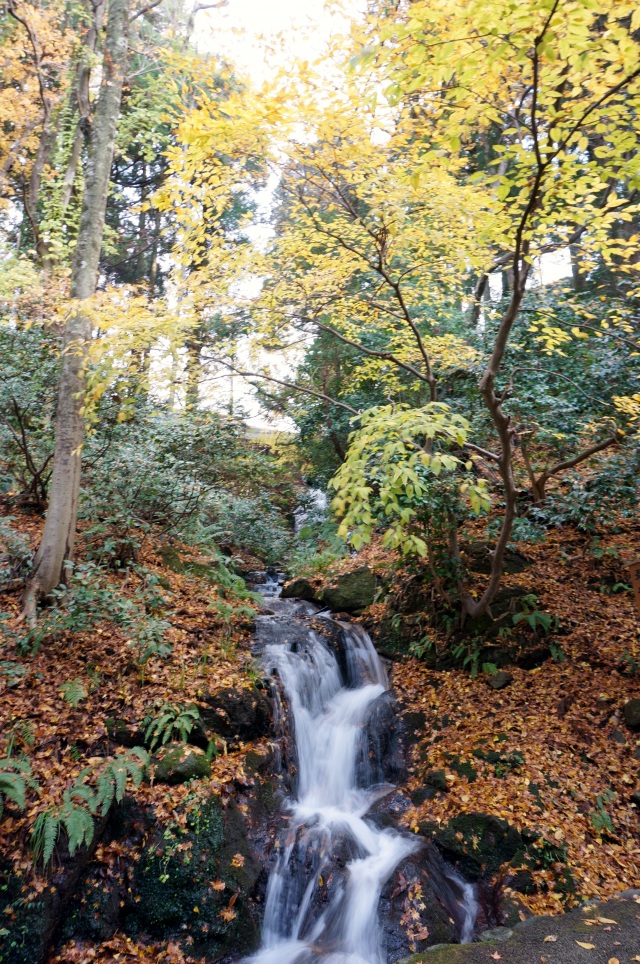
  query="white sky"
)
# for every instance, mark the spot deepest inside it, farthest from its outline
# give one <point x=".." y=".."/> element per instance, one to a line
<point x="259" y="36"/>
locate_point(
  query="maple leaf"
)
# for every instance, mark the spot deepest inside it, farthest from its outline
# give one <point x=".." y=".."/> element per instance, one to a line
<point x="227" y="914"/>
<point x="238" y="860"/>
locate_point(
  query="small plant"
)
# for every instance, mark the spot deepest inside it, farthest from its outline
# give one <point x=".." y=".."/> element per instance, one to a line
<point x="508" y="763"/>
<point x="16" y="778"/>
<point x="73" y="691"/>
<point x="490" y="669"/>
<point x="168" y="722"/>
<point x="21" y="734"/>
<point x="601" y="819"/>
<point x="420" y="647"/>
<point x="533" y="616"/>
<point x="469" y="654"/>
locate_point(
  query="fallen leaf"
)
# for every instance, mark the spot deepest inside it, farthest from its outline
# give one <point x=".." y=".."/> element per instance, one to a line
<point x="613" y="960"/>
<point x="605" y="920"/>
<point x="550" y="938"/>
<point x="587" y="947"/>
<point x="496" y="956"/>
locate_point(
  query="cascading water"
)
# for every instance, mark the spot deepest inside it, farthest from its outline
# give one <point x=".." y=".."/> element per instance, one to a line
<point x="330" y="698"/>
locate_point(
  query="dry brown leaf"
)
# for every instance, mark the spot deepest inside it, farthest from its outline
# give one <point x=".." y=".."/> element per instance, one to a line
<point x="587" y="947"/>
<point x="550" y="938"/>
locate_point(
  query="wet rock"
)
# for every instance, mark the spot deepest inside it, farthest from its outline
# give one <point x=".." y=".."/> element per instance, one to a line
<point x="179" y="762"/>
<point x="237" y="715"/>
<point x="381" y="758"/>
<point x="431" y="921"/>
<point x="299" y="588"/>
<point x="631" y="713"/>
<point x="351" y="591"/>
<point x="499" y="680"/>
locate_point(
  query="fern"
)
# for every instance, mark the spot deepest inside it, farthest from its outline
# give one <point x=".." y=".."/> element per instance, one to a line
<point x="44" y="835"/>
<point x="81" y="802"/>
<point x="169" y="720"/>
<point x="73" y="691"/>
<point x="15" y="779"/>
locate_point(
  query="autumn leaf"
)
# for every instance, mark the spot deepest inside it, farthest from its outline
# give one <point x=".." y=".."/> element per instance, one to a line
<point x="238" y="861"/>
<point x="227" y="914"/>
<point x="550" y="938"/>
<point x="587" y="947"/>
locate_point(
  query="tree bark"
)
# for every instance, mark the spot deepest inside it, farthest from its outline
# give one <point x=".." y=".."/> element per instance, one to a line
<point x="56" y="548"/>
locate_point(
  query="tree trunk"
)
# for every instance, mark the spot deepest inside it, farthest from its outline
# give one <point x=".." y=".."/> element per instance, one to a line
<point x="56" y="547"/>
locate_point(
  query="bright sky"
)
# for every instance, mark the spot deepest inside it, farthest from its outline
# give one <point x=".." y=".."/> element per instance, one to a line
<point x="247" y="31"/>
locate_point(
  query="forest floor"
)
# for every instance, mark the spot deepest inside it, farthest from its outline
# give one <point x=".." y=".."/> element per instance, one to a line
<point x="568" y="765"/>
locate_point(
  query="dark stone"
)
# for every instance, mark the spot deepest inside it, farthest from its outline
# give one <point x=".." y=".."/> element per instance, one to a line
<point x="351" y="591"/>
<point x="617" y="736"/>
<point x="477" y="843"/>
<point x="635" y="798"/>
<point x="237" y="715"/>
<point x="434" y="782"/>
<point x="123" y="733"/>
<point x="631" y="714"/>
<point x="477" y="556"/>
<point x="299" y="588"/>
<point x="499" y="680"/>
<point x="523" y="883"/>
<point x="179" y="762"/>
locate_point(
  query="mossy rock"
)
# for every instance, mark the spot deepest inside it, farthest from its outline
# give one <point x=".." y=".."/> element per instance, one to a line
<point x="478" y="843"/>
<point x="351" y="591"/>
<point x="299" y="588"/>
<point x="179" y="762"/>
<point x="172" y="559"/>
<point x="174" y="882"/>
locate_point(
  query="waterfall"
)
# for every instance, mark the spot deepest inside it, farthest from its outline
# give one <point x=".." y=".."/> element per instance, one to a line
<point x="330" y="695"/>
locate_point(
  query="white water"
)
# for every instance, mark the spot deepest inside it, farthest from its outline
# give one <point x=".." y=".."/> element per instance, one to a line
<point x="328" y="717"/>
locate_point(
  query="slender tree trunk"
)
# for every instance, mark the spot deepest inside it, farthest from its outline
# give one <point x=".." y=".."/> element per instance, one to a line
<point x="56" y="547"/>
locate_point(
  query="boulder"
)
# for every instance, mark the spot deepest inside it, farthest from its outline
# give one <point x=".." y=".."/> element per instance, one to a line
<point x="477" y="556"/>
<point x="351" y="591"/>
<point x="299" y="588"/>
<point x="631" y="713"/>
<point x="179" y="762"/>
<point x="499" y="680"/>
<point x="237" y="715"/>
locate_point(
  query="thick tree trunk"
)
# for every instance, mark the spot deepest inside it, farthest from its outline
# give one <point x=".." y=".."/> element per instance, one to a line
<point x="56" y="547"/>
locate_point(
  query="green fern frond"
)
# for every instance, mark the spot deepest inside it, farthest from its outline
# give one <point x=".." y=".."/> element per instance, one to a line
<point x="44" y="835"/>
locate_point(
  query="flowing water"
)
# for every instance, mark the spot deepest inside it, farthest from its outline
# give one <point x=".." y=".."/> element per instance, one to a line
<point x="330" y="695"/>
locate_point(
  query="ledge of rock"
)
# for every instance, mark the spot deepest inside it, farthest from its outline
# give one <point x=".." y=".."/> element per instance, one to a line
<point x="565" y="939"/>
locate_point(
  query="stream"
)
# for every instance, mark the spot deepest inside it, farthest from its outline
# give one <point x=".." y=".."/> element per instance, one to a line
<point x="327" y="705"/>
